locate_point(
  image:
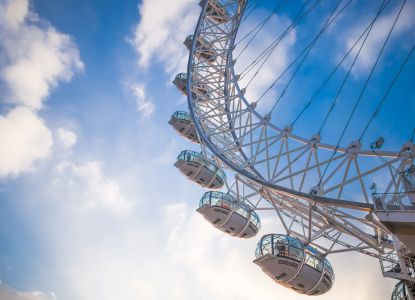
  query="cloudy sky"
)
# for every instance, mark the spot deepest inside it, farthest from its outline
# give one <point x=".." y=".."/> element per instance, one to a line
<point x="90" y="204"/>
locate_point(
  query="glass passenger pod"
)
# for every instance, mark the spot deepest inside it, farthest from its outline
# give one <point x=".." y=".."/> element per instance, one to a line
<point x="198" y="91"/>
<point x="290" y="263"/>
<point x="203" y="49"/>
<point x="400" y="292"/>
<point x="182" y="122"/>
<point x="199" y="169"/>
<point x="180" y="81"/>
<point x="215" y="11"/>
<point x="229" y="215"/>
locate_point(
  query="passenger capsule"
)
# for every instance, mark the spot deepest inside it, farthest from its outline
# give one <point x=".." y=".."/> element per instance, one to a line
<point x="229" y="215"/>
<point x="203" y="49"/>
<point x="215" y="11"/>
<point x="182" y="122"/>
<point x="200" y="170"/>
<point x="180" y="81"/>
<point x="401" y="291"/>
<point x="290" y="263"/>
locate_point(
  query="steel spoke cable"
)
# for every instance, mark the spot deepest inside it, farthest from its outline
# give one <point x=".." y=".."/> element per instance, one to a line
<point x="376" y="62"/>
<point x="329" y="20"/>
<point x="370" y="74"/>
<point x="256" y="28"/>
<point x="392" y="83"/>
<point x="300" y="55"/>
<point x="337" y="66"/>
<point x="266" y="55"/>
<point x="269" y="48"/>
<point x="259" y="27"/>
<point x="251" y="4"/>
<point x="280" y="5"/>
<point x="287" y="31"/>
<point x="252" y="7"/>
<point x="335" y="100"/>
<point x="381" y="158"/>
<point x="363" y="89"/>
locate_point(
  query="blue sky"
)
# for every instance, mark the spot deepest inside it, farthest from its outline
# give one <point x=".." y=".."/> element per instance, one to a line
<point x="330" y="48"/>
<point x="90" y="204"/>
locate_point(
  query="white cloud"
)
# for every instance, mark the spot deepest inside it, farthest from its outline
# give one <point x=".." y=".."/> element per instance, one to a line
<point x="212" y="260"/>
<point x="144" y="106"/>
<point x="275" y="64"/>
<point x="24" y="139"/>
<point x="158" y="253"/>
<point x="66" y="137"/>
<point x="377" y="36"/>
<point x="86" y="185"/>
<point x="162" y="29"/>
<point x="190" y="259"/>
<point x="35" y="57"/>
<point x="14" y="12"/>
<point x="7" y="293"/>
<point x="160" y="35"/>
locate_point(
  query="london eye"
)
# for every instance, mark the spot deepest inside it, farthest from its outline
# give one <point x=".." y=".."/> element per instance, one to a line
<point x="305" y="109"/>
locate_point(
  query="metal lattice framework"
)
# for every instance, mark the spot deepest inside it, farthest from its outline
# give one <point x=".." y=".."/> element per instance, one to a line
<point x="278" y="170"/>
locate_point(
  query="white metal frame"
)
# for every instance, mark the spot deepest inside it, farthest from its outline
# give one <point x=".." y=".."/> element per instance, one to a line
<point x="275" y="167"/>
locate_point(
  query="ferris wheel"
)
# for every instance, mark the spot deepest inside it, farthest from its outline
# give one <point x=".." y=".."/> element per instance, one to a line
<point x="254" y="65"/>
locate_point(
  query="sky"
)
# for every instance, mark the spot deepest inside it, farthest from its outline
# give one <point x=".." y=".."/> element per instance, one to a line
<point x="324" y="56"/>
<point x="91" y="206"/>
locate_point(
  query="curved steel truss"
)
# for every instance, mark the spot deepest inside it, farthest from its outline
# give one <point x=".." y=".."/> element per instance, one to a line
<point x="280" y="171"/>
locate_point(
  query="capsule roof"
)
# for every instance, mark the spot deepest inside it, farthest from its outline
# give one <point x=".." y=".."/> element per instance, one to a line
<point x="182" y="76"/>
<point x="182" y="115"/>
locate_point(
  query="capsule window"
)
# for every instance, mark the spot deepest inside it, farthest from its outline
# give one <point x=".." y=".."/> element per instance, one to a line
<point x="311" y="261"/>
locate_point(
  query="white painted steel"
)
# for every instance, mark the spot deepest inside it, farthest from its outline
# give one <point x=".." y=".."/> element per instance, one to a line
<point x="280" y="171"/>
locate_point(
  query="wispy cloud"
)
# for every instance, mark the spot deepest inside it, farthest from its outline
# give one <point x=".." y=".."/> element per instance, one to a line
<point x="377" y="36"/>
<point x="275" y="64"/>
<point x="66" y="137"/>
<point x="7" y="293"/>
<point x="144" y="106"/>
<point x="164" y="243"/>
<point x="86" y="186"/>
<point x="162" y="29"/>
